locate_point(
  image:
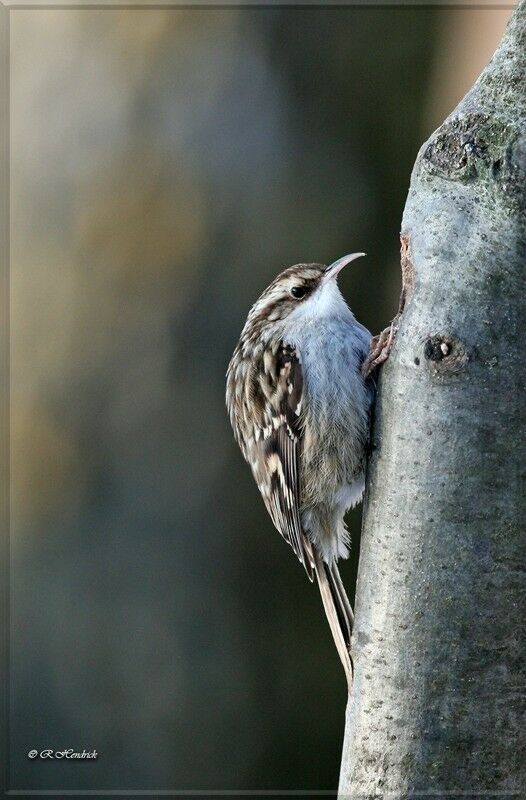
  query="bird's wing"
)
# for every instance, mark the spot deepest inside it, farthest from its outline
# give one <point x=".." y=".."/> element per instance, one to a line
<point x="272" y="441"/>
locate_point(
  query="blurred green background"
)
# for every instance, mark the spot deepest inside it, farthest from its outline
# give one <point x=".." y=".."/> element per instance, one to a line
<point x="165" y="165"/>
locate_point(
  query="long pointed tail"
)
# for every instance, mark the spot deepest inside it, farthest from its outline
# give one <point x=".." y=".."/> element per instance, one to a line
<point x="338" y="610"/>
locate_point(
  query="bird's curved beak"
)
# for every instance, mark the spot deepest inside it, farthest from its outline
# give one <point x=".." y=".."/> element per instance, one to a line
<point x="333" y="269"/>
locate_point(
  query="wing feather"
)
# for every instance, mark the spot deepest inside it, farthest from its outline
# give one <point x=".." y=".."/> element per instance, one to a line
<point x="268" y="426"/>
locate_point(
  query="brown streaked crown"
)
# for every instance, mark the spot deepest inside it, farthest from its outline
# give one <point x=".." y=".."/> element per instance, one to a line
<point x="279" y="299"/>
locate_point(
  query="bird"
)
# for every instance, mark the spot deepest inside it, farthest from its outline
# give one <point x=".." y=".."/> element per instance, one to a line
<point x="300" y="405"/>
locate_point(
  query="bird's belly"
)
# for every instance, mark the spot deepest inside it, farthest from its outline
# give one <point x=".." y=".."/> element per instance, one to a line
<point x="336" y="414"/>
<point x="332" y="461"/>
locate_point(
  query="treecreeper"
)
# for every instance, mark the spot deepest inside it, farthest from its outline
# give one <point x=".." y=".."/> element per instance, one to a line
<point x="299" y="400"/>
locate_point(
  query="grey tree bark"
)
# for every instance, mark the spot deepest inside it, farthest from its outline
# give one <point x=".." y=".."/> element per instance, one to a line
<point x="438" y="700"/>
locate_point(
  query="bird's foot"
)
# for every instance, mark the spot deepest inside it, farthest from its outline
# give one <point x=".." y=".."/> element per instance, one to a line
<point x="380" y="347"/>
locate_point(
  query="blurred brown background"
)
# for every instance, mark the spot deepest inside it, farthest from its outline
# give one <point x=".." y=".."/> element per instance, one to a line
<point x="165" y="165"/>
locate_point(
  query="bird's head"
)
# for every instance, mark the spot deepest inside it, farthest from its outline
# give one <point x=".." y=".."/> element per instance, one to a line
<point x="304" y="291"/>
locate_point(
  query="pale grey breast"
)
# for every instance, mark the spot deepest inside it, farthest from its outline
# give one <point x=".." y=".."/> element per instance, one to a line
<point x="336" y="404"/>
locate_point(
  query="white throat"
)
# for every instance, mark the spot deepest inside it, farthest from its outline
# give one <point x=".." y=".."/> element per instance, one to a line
<point x="326" y="301"/>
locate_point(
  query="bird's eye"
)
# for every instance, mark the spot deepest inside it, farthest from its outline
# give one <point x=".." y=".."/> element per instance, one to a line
<point x="298" y="292"/>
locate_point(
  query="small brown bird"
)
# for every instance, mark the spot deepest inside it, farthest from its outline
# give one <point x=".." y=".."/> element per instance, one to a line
<point x="300" y="407"/>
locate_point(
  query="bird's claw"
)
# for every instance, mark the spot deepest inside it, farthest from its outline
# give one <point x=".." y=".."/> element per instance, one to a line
<point x="381" y="345"/>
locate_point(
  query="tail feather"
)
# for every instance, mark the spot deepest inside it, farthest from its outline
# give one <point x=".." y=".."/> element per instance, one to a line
<point x="345" y="612"/>
<point x="338" y="611"/>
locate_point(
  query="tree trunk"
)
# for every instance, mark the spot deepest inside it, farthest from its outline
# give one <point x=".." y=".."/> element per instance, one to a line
<point x="438" y="645"/>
